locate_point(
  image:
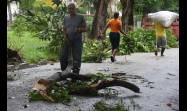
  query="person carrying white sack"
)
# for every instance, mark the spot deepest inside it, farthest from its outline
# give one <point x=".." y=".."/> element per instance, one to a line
<point x="162" y="20"/>
<point x="160" y="38"/>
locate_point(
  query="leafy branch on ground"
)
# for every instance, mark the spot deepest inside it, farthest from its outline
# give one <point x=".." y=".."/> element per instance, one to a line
<point x="85" y="85"/>
<point x="103" y="106"/>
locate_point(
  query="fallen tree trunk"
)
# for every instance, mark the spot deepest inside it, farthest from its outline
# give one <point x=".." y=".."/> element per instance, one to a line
<point x="94" y="88"/>
<point x="85" y="85"/>
<point x="109" y="83"/>
<point x="97" y="84"/>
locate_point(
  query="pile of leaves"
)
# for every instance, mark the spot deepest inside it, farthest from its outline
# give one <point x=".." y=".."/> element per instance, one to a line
<point x="60" y="91"/>
<point x="95" y="50"/>
<point x="102" y="106"/>
<point x="55" y="93"/>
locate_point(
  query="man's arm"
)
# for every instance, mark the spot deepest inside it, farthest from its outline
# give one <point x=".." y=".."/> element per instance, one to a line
<point x="83" y="27"/>
<point x="65" y="29"/>
<point x="122" y="30"/>
<point x="65" y="33"/>
<point x="103" y="32"/>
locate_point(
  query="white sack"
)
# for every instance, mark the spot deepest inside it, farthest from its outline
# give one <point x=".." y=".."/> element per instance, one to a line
<point x="166" y="18"/>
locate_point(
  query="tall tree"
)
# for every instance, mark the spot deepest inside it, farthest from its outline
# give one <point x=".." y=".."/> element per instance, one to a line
<point x="9" y="8"/>
<point x="147" y="6"/>
<point x="143" y="7"/>
<point x="171" y="5"/>
<point x="25" y="5"/>
<point x="99" y="20"/>
<point x="127" y="14"/>
<point x="79" y="2"/>
<point x="9" y="11"/>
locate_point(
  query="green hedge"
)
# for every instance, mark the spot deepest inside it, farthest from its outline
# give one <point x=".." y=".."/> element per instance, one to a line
<point x="143" y="40"/>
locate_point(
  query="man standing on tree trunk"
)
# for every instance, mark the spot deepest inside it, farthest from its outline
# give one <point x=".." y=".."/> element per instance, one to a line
<point x="116" y="27"/>
<point x="74" y="25"/>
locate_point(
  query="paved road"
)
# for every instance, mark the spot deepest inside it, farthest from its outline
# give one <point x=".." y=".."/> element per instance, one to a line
<point x="157" y="77"/>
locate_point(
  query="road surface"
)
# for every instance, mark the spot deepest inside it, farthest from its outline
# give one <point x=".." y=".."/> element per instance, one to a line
<point x="157" y="78"/>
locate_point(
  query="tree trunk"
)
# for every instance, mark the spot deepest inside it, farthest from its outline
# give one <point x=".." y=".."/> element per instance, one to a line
<point x="94" y="87"/>
<point x="110" y="8"/>
<point x="99" y="20"/>
<point x="127" y="14"/>
<point x="44" y="86"/>
<point x="9" y="12"/>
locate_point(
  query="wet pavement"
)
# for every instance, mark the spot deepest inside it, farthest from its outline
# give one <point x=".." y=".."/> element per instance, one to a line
<point x="157" y="78"/>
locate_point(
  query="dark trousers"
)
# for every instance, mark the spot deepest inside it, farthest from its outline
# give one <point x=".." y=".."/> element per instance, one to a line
<point x="114" y="39"/>
<point x="73" y="47"/>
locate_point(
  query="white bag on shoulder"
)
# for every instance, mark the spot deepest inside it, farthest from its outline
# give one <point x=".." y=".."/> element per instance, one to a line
<point x="166" y="18"/>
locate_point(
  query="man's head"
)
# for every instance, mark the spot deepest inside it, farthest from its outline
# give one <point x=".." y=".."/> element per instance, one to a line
<point x="71" y="9"/>
<point x="116" y="15"/>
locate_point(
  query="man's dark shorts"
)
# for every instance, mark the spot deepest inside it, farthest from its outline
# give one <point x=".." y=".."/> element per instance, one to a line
<point x="114" y="39"/>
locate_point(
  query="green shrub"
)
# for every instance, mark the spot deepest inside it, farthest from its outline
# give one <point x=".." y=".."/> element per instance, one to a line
<point x="19" y="26"/>
<point x="142" y="40"/>
<point x="29" y="47"/>
<point x="171" y="39"/>
<point x="95" y="50"/>
<point x="48" y="23"/>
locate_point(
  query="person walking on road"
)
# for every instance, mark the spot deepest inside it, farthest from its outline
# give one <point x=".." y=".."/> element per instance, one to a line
<point x="160" y="38"/>
<point x="116" y="27"/>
